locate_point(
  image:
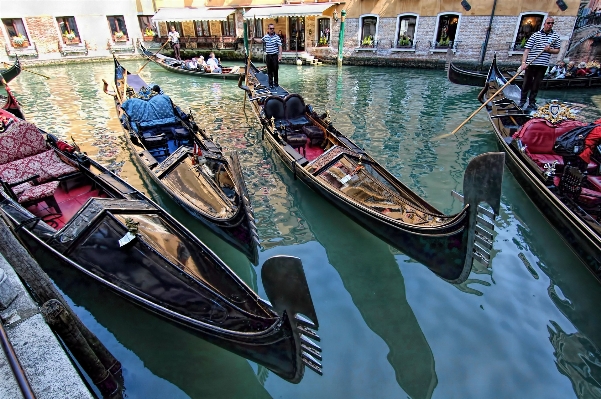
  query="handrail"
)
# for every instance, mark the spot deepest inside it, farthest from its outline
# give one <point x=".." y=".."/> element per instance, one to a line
<point x="15" y="365"/>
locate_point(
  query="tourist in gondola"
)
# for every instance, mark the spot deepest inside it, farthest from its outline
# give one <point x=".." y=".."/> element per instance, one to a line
<point x="213" y="63"/>
<point x="590" y="142"/>
<point x="537" y="54"/>
<point x="273" y="49"/>
<point x="174" y="39"/>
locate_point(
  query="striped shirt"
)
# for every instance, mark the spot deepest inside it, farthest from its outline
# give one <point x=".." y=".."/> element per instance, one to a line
<point x="537" y="42"/>
<point x="272" y="43"/>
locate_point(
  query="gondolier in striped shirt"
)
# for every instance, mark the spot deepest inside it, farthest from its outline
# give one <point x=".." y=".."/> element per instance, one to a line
<point x="273" y="49"/>
<point x="546" y="41"/>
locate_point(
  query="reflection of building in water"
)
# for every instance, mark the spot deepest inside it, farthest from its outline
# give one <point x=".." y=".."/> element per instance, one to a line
<point x="578" y="359"/>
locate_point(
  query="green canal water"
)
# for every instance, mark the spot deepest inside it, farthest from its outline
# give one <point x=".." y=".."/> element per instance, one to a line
<point x="527" y="327"/>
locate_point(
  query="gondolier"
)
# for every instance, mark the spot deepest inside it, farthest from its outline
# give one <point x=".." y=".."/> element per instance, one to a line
<point x="273" y="49"/>
<point x="536" y="63"/>
<point x="174" y="39"/>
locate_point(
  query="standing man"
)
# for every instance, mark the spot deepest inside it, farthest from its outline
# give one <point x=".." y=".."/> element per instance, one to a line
<point x="174" y="39"/>
<point x="547" y="41"/>
<point x="273" y="48"/>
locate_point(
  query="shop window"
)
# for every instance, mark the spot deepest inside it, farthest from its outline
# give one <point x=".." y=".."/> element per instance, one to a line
<point x="369" y="30"/>
<point x="323" y="30"/>
<point x="228" y="27"/>
<point x="16" y="32"/>
<point x="529" y="23"/>
<point x="146" y="27"/>
<point x="407" y="26"/>
<point x="117" y="27"/>
<point x="202" y="28"/>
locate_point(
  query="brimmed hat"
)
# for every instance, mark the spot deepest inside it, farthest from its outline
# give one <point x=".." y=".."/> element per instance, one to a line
<point x="582" y="65"/>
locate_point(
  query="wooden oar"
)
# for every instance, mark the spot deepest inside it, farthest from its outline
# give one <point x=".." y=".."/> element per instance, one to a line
<point x="27" y="70"/>
<point x="146" y="63"/>
<point x="489" y="99"/>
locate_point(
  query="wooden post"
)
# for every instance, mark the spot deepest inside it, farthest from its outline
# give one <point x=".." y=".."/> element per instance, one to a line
<point x="59" y="319"/>
<point x="44" y="290"/>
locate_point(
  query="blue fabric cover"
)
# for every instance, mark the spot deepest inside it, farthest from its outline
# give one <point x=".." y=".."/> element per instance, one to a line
<point x="154" y="112"/>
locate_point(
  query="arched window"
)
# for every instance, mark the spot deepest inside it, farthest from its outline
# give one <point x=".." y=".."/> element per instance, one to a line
<point x="406" y="28"/>
<point x="446" y="30"/>
<point x="529" y="23"/>
<point x="369" y="30"/>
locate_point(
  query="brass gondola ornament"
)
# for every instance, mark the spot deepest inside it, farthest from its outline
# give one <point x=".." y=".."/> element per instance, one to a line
<point x="555" y="112"/>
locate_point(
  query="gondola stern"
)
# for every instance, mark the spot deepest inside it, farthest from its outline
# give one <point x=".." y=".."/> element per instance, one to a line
<point x="287" y="289"/>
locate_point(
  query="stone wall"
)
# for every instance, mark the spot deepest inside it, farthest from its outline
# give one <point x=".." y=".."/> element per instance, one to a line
<point x="44" y="33"/>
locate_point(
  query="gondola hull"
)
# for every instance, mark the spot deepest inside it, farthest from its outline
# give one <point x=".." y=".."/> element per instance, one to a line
<point x="165" y="63"/>
<point x="115" y="236"/>
<point x="11" y="72"/>
<point x="582" y="237"/>
<point x="182" y="160"/>
<point x="442" y="243"/>
<point x="461" y="76"/>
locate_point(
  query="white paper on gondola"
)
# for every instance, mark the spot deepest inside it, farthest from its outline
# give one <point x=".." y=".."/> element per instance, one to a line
<point x="126" y="239"/>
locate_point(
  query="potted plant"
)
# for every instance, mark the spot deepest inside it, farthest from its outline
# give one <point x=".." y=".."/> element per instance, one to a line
<point x="323" y="41"/>
<point x="404" y="41"/>
<point x="367" y="41"/>
<point x="521" y="44"/>
<point x="20" y="41"/>
<point x="71" y="38"/>
<point x="120" y="37"/>
<point x="148" y="35"/>
<point x="444" y="42"/>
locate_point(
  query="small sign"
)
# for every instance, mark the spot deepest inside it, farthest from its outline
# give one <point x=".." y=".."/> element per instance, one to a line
<point x="126" y="239"/>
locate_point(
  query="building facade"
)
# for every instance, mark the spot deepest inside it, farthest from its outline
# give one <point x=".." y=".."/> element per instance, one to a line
<point x="408" y="29"/>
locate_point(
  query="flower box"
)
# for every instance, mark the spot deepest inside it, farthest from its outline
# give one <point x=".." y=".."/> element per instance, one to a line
<point x="24" y="43"/>
<point x="122" y="38"/>
<point x="147" y="38"/>
<point x="76" y="40"/>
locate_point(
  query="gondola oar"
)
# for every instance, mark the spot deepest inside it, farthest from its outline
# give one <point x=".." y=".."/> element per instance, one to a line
<point x="489" y="99"/>
<point x="146" y="63"/>
<point x="27" y="70"/>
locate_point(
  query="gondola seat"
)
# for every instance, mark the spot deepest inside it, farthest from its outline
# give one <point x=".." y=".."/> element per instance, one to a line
<point x="538" y="137"/>
<point x="25" y="159"/>
<point x="294" y="108"/>
<point x="297" y="141"/>
<point x="274" y="108"/>
<point x="315" y="134"/>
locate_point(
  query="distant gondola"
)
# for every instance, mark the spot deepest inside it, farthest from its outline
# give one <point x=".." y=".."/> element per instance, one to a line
<point x="569" y="199"/>
<point x="334" y="166"/>
<point x="173" y="65"/>
<point x="80" y="214"/>
<point x="476" y="78"/>
<point x="11" y="72"/>
<point x="184" y="161"/>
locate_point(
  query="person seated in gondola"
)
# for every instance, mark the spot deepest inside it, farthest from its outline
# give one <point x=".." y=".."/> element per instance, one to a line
<point x="582" y="69"/>
<point x="192" y="64"/>
<point x="583" y="159"/>
<point x="213" y="64"/>
<point x="571" y="69"/>
<point x="558" y="71"/>
<point x="201" y="63"/>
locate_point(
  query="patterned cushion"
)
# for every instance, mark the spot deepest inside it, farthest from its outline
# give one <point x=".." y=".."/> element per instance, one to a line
<point x="38" y="192"/>
<point x="21" y="139"/>
<point x="46" y="164"/>
<point x="154" y="112"/>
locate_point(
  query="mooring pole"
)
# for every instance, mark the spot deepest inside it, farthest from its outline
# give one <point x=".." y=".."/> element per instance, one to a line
<point x="483" y="55"/>
<point x="341" y="37"/>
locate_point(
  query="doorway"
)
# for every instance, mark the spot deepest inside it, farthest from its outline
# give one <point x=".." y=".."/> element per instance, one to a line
<point x="297" y="33"/>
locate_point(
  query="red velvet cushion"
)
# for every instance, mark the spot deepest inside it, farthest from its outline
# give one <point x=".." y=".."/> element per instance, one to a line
<point x="21" y="139"/>
<point x="595" y="181"/>
<point x="38" y="192"/>
<point x="539" y="135"/>
<point x="46" y="165"/>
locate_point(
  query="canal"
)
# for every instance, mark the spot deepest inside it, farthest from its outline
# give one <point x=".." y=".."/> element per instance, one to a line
<point x="527" y="327"/>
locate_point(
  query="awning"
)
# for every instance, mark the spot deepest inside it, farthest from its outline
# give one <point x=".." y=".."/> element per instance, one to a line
<point x="289" y="10"/>
<point x="192" y="14"/>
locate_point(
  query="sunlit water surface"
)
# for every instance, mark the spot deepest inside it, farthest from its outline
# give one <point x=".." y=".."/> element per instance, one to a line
<point x="527" y="327"/>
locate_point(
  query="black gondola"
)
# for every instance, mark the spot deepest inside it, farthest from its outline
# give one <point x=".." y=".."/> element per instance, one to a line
<point x="173" y="65"/>
<point x="11" y="72"/>
<point x="466" y="77"/>
<point x="87" y="218"/>
<point x="569" y="199"/>
<point x="184" y="161"/>
<point x="334" y="166"/>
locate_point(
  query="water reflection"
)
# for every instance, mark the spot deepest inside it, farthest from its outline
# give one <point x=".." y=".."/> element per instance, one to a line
<point x="526" y="327"/>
